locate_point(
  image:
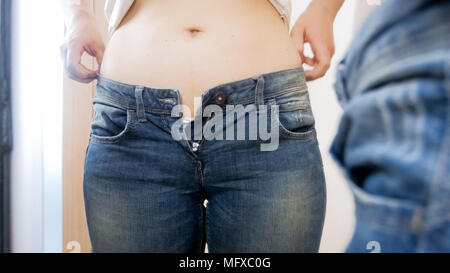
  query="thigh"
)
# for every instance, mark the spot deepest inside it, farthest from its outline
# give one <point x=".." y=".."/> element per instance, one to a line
<point x="138" y="198"/>
<point x="265" y="201"/>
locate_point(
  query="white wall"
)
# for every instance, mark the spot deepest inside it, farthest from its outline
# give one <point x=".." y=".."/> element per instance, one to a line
<point x="363" y="9"/>
<point x="36" y="194"/>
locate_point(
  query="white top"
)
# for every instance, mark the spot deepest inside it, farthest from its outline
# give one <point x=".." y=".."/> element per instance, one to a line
<point x="115" y="11"/>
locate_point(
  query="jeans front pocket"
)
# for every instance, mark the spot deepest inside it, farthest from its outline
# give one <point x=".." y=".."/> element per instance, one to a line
<point x="295" y="117"/>
<point x="110" y="123"/>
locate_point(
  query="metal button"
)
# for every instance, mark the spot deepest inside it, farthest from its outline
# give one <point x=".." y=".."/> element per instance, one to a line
<point x="220" y="99"/>
<point x="195" y="146"/>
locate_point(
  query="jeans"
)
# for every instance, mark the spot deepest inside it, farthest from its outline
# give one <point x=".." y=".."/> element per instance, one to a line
<point x="144" y="190"/>
<point x="393" y="140"/>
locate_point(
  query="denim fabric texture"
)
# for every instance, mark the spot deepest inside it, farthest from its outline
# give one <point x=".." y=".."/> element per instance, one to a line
<point x="393" y="140"/>
<point x="144" y="191"/>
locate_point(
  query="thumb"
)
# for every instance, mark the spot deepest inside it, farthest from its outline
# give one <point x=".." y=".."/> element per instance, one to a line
<point x="99" y="56"/>
<point x="97" y="50"/>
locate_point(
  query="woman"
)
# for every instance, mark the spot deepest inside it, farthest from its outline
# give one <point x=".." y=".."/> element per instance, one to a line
<point x="144" y="190"/>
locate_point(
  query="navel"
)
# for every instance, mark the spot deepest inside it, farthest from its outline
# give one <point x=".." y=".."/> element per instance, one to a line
<point x="194" y="31"/>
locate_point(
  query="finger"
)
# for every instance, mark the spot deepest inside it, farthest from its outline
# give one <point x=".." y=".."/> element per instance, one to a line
<point x="78" y="71"/>
<point x="75" y="69"/>
<point x="322" y="58"/>
<point x="309" y="61"/>
<point x="319" y="71"/>
<point x="99" y="51"/>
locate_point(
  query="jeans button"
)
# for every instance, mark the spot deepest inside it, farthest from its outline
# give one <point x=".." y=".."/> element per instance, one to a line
<point x="220" y="99"/>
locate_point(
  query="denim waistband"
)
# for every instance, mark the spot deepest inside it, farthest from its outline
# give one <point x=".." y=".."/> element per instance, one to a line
<point x="161" y="100"/>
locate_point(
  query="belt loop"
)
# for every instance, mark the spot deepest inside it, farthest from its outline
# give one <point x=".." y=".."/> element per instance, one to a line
<point x="140" y="111"/>
<point x="259" y="91"/>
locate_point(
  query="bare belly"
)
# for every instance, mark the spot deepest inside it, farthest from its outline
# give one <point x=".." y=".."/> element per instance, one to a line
<point x="195" y="45"/>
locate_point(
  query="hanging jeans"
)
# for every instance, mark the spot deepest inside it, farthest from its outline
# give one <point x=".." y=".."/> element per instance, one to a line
<point x="394" y="137"/>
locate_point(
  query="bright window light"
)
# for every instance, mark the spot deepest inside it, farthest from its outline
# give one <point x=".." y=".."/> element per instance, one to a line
<point x="36" y="163"/>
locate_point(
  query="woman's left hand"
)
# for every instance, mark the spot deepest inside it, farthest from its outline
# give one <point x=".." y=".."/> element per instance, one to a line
<point x="315" y="26"/>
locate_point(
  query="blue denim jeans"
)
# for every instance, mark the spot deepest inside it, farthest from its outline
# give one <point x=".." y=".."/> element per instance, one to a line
<point x="394" y="137"/>
<point x="144" y="190"/>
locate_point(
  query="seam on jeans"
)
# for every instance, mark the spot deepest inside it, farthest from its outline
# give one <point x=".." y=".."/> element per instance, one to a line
<point x="198" y="165"/>
<point x="181" y="142"/>
<point x="302" y="136"/>
<point x="203" y="241"/>
<point x="259" y="91"/>
<point x="130" y="125"/>
<point x="400" y="54"/>
<point x="203" y="137"/>
<point x="110" y="101"/>
<point x="140" y="112"/>
<point x="190" y="153"/>
<point x="169" y="100"/>
<point x="382" y="60"/>
<point x="157" y="111"/>
<point x="270" y="96"/>
<point x="164" y="123"/>
<point x="416" y="220"/>
<point x="200" y="170"/>
<point x="361" y="212"/>
<point x="207" y="224"/>
<point x="124" y="105"/>
<point x="324" y="192"/>
<point x="166" y="126"/>
<point x="442" y="159"/>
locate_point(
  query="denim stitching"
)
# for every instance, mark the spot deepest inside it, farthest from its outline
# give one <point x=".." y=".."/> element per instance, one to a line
<point x="440" y="170"/>
<point x="130" y="124"/>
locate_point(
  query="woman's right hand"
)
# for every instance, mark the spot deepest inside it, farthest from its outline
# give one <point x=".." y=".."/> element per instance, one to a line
<point x="82" y="36"/>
